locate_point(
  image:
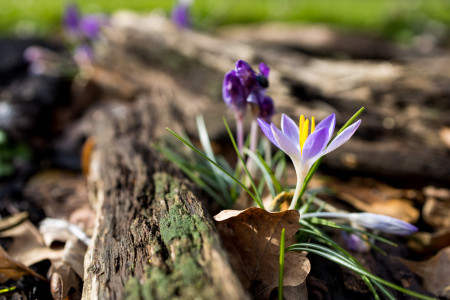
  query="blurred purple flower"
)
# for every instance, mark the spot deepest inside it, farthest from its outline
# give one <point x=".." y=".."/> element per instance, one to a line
<point x="266" y="109"/>
<point x="90" y="26"/>
<point x="71" y="19"/>
<point x="305" y="147"/>
<point x="247" y="76"/>
<point x="355" y="242"/>
<point x="181" y="15"/>
<point x="262" y="105"/>
<point x="82" y="27"/>
<point x="234" y="94"/>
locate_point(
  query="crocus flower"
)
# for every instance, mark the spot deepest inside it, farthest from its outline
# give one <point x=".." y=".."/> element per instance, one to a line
<point x="355" y="242"/>
<point x="247" y="76"/>
<point x="305" y="146"/>
<point x="234" y="95"/>
<point x="370" y="220"/>
<point x="71" y="19"/>
<point x="383" y="223"/>
<point x="90" y="26"/>
<point x="181" y="14"/>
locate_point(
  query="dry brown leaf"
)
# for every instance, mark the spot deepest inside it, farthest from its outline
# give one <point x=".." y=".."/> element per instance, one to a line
<point x="435" y="272"/>
<point x="73" y="255"/>
<point x="64" y="281"/>
<point x="437" y="213"/>
<point x="252" y="240"/>
<point x="375" y="197"/>
<point x="86" y="155"/>
<point x="26" y="240"/>
<point x="11" y="221"/>
<point x="11" y="269"/>
<point x="59" y="193"/>
<point x="427" y="243"/>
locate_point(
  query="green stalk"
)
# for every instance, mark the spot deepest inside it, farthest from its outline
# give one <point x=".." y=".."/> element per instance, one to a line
<point x="339" y="259"/>
<point x="256" y="197"/>
<point x="215" y="164"/>
<point x="281" y="271"/>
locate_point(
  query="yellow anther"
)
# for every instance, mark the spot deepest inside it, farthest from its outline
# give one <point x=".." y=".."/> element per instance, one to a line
<point x="300" y="124"/>
<point x="304" y="134"/>
<point x="313" y="124"/>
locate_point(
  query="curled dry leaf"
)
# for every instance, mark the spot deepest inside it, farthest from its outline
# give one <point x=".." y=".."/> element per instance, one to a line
<point x="428" y="243"/>
<point x="437" y="213"/>
<point x="11" y="269"/>
<point x="435" y="272"/>
<point x="27" y="243"/>
<point x="11" y="221"/>
<point x="252" y="240"/>
<point x="64" y="282"/>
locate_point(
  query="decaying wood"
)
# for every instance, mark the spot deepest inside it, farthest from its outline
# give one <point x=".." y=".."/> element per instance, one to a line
<point x="153" y="239"/>
<point x="405" y="98"/>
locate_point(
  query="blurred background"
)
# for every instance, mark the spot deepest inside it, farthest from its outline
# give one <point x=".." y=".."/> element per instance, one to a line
<point x="399" y="20"/>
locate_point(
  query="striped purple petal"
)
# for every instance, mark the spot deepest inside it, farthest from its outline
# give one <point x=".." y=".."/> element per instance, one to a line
<point x="290" y="128"/>
<point x="267" y="132"/>
<point x="343" y="137"/>
<point x="314" y="146"/>
<point x="285" y="143"/>
<point x="329" y="123"/>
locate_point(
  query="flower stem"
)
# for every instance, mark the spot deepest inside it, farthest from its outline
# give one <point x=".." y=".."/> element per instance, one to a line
<point x="267" y="152"/>
<point x="298" y="189"/>
<point x="240" y="133"/>
<point x="326" y="215"/>
<point x="253" y="144"/>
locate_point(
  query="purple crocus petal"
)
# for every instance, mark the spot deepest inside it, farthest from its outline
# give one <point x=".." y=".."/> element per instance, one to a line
<point x="265" y="127"/>
<point x="71" y="18"/>
<point x="383" y="223"/>
<point x="343" y="137"/>
<point x="285" y="143"/>
<point x="314" y="146"/>
<point x="290" y="128"/>
<point x="90" y="26"/>
<point x="266" y="109"/>
<point x="233" y="92"/>
<point x="264" y="69"/>
<point x="247" y="76"/>
<point x="181" y="16"/>
<point x="329" y="122"/>
<point x="355" y="242"/>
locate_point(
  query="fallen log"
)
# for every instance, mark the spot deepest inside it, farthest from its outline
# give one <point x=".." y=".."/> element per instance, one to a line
<point x="153" y="239"/>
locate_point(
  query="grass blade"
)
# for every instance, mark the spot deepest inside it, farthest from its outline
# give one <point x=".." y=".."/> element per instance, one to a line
<point x="215" y="164"/>
<point x="256" y="196"/>
<point x="206" y="144"/>
<point x="260" y="164"/>
<point x="337" y="258"/>
<point x="281" y="269"/>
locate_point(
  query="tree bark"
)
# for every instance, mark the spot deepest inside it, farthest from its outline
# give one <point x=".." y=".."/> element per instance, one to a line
<point x="153" y="238"/>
